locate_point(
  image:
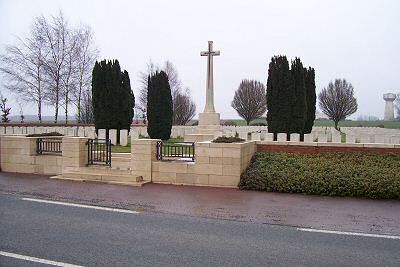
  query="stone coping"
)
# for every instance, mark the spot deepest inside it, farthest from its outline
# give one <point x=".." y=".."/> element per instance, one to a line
<point x="326" y="144"/>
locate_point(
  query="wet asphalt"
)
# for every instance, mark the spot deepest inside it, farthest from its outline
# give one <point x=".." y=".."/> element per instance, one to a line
<point x="90" y="237"/>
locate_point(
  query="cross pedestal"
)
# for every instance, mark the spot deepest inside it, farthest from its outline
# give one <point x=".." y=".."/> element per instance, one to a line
<point x="209" y="121"/>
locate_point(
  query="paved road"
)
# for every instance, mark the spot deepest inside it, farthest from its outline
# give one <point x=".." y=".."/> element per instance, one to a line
<point x="334" y="213"/>
<point x="89" y="237"/>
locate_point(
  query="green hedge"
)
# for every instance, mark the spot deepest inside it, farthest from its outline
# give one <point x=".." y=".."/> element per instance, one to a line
<point x="225" y="139"/>
<point x="331" y="174"/>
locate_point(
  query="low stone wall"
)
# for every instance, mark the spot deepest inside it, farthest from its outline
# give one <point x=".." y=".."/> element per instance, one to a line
<point x="216" y="164"/>
<point x="18" y="154"/>
<point x="299" y="147"/>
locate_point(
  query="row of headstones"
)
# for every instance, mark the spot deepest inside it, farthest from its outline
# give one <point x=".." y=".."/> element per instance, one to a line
<point x="112" y="135"/>
<point x="82" y="131"/>
<point x="323" y="138"/>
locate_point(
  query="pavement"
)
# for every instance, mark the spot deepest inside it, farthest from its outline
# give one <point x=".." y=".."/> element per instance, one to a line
<point x="41" y="233"/>
<point x="295" y="210"/>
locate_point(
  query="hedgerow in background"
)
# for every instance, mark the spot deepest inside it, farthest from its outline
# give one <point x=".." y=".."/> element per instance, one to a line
<point x="331" y="174"/>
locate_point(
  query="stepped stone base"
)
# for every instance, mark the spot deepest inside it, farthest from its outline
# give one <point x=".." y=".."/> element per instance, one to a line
<point x="104" y="175"/>
<point x="198" y="137"/>
<point x="209" y="128"/>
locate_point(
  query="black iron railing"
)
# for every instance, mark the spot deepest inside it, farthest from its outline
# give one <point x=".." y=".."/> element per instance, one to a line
<point x="48" y="146"/>
<point x="175" y="151"/>
<point x="99" y="152"/>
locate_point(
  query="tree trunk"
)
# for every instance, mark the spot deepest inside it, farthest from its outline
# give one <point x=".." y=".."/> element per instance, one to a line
<point x="56" y="107"/>
<point x="336" y="125"/>
<point x="40" y="110"/>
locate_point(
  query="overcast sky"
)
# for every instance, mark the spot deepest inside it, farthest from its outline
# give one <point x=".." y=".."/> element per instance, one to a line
<point x="356" y="40"/>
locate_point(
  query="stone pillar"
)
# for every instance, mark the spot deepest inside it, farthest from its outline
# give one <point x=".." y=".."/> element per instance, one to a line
<point x="143" y="153"/>
<point x="123" y="137"/>
<point x="102" y="133"/>
<point x="113" y="136"/>
<point x="74" y="153"/>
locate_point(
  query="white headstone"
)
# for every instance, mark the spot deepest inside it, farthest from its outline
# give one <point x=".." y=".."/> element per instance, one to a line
<point x="322" y="138"/>
<point x="365" y="139"/>
<point x="308" y="138"/>
<point x="379" y="139"/>
<point x="350" y="139"/>
<point x="269" y="137"/>
<point x="70" y="131"/>
<point x="243" y="135"/>
<point x="90" y="132"/>
<point x="113" y="136"/>
<point x="81" y="131"/>
<point x="255" y="137"/>
<point x="336" y="138"/>
<point x="295" y="137"/>
<point x="102" y="133"/>
<point x="123" y="137"/>
<point x="282" y="137"/>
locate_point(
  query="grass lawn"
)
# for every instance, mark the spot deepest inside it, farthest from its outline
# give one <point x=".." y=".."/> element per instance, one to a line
<point x="127" y="149"/>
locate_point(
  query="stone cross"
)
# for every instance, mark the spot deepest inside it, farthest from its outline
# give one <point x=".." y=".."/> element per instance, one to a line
<point x="210" y="78"/>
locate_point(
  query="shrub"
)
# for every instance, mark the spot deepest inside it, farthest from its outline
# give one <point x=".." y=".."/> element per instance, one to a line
<point x="225" y="139"/>
<point x="230" y="123"/>
<point x="195" y="123"/>
<point x="44" y="134"/>
<point x="258" y="124"/>
<point x="331" y="174"/>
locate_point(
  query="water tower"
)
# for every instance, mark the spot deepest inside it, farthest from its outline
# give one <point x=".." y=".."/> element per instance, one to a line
<point x="389" y="106"/>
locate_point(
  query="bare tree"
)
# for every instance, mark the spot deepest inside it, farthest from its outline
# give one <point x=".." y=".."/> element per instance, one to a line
<point x="174" y="82"/>
<point x="337" y="101"/>
<point x="398" y="106"/>
<point x="184" y="108"/>
<point x="69" y="71"/>
<point x="249" y="100"/>
<point x="22" y="66"/>
<point x="143" y="80"/>
<point x="56" y="36"/>
<point x="86" y="110"/>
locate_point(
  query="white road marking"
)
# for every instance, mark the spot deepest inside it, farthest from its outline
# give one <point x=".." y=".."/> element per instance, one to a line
<point x="347" y="233"/>
<point x="80" y="205"/>
<point x="39" y="260"/>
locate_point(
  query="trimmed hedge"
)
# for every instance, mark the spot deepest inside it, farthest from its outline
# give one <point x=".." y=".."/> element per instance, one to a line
<point x="331" y="174"/>
<point x="225" y="139"/>
<point x="45" y="134"/>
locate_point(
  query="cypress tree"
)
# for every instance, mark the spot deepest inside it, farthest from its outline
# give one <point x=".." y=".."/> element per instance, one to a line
<point x="311" y="99"/>
<point x="299" y="109"/>
<point x="280" y="96"/>
<point x="159" y="106"/>
<point x="112" y="97"/>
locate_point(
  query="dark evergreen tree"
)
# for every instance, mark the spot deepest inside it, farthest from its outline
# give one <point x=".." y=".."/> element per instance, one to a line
<point x="291" y="97"/>
<point x="280" y="96"/>
<point x="112" y="97"/>
<point x="159" y="106"/>
<point x="311" y="98"/>
<point x="299" y="108"/>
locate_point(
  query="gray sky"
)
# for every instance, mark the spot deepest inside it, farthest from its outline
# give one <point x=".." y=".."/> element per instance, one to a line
<point x="356" y="40"/>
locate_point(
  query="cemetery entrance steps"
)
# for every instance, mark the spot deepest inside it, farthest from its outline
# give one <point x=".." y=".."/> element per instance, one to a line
<point x="104" y="174"/>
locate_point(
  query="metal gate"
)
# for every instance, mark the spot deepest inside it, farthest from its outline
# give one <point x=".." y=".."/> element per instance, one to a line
<point x="99" y="152"/>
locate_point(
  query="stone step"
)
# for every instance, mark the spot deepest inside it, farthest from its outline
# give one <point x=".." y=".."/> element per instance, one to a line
<point x="126" y="179"/>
